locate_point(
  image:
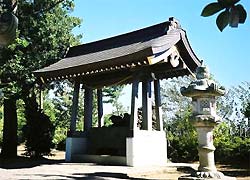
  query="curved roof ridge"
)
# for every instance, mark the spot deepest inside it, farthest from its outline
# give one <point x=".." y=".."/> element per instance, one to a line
<point x="140" y="35"/>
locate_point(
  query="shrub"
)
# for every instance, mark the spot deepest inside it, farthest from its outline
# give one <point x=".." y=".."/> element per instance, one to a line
<point x="59" y="138"/>
<point x="182" y="139"/>
<point x="230" y="148"/>
<point x="38" y="131"/>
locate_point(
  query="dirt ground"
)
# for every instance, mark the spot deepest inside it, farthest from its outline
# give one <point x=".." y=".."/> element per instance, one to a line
<point x="54" y="167"/>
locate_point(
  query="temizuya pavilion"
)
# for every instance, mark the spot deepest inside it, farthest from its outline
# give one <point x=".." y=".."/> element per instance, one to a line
<point x="144" y="56"/>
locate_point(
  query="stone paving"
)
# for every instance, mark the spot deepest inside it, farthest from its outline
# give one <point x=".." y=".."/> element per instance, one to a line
<point x="86" y="171"/>
<point x="61" y="170"/>
<point x="55" y="168"/>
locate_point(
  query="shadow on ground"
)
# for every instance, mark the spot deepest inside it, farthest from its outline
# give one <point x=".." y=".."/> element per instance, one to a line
<point x="235" y="170"/>
<point x="105" y="175"/>
<point x="25" y="162"/>
<point x="187" y="170"/>
<point x="88" y="176"/>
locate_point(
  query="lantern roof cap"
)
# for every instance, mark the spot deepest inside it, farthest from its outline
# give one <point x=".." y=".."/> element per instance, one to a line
<point x="203" y="85"/>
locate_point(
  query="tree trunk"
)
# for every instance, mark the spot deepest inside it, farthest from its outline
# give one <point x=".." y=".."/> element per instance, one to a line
<point x="9" y="148"/>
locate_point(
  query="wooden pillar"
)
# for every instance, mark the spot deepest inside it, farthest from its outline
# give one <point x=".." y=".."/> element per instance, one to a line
<point x="134" y="105"/>
<point x="88" y="108"/>
<point x="100" y="108"/>
<point x="74" y="107"/>
<point x="41" y="97"/>
<point x="158" y="109"/>
<point x="146" y="106"/>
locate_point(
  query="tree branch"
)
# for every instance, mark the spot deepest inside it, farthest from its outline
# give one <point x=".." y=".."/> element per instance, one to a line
<point x="49" y="8"/>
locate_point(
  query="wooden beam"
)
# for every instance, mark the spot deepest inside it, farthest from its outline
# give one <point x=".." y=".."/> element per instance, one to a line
<point x="88" y="108"/>
<point x="162" y="57"/>
<point x="158" y="109"/>
<point x="146" y="106"/>
<point x="74" y="108"/>
<point x="134" y="105"/>
<point x="100" y="108"/>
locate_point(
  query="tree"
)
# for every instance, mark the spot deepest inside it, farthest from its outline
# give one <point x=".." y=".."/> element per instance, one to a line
<point x="232" y="13"/>
<point x="111" y="95"/>
<point x="247" y="110"/>
<point x="44" y="34"/>
<point x="173" y="103"/>
<point x="233" y="107"/>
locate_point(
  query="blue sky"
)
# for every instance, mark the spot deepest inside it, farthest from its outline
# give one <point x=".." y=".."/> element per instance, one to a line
<point x="227" y="54"/>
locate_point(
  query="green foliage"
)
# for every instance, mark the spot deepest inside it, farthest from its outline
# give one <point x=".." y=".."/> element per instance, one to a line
<point x="21" y="121"/>
<point x="230" y="148"/>
<point x="211" y="9"/>
<point x="182" y="138"/>
<point x="112" y="93"/>
<point x="233" y="13"/>
<point x="1" y="132"/>
<point x="1" y="125"/>
<point x="232" y="108"/>
<point x="44" y="34"/>
<point x="107" y="121"/>
<point x="222" y="20"/>
<point x="118" y="108"/>
<point x="38" y="130"/>
<point x="57" y="105"/>
<point x="227" y="3"/>
<point x="172" y="100"/>
<point x="59" y="138"/>
<point x="247" y="110"/>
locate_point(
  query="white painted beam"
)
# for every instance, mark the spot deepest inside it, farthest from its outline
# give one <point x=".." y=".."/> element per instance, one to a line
<point x="162" y="57"/>
<point x="146" y="106"/>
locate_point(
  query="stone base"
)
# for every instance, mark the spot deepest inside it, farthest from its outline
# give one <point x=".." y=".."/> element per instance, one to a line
<point x="146" y="148"/>
<point x="100" y="159"/>
<point x="207" y="176"/>
<point x="196" y="178"/>
<point x="75" y="145"/>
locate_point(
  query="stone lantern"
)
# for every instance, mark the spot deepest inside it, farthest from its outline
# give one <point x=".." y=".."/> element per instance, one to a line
<point x="203" y="92"/>
<point x="8" y="22"/>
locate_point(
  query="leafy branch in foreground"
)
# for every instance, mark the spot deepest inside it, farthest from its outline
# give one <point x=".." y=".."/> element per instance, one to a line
<point x="232" y="13"/>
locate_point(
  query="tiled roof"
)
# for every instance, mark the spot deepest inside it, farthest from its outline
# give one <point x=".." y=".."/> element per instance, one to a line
<point x="123" y="55"/>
